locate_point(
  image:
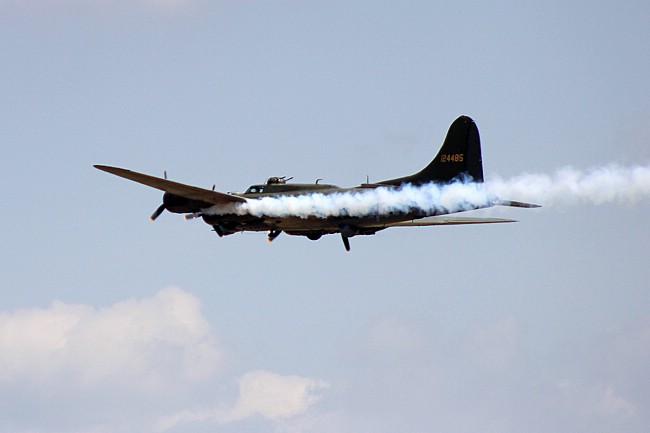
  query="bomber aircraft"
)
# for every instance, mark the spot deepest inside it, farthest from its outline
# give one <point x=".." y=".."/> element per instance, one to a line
<point x="458" y="162"/>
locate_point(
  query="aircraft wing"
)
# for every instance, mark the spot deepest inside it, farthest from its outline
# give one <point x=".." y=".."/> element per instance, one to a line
<point x="445" y="220"/>
<point x="179" y="189"/>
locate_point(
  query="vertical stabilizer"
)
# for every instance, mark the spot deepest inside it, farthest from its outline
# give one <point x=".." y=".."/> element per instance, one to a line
<point x="459" y="158"/>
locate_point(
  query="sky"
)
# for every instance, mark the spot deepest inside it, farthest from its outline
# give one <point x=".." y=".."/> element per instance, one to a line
<point x="111" y="323"/>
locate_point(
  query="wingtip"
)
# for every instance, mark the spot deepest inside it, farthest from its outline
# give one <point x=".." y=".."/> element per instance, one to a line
<point x="106" y="168"/>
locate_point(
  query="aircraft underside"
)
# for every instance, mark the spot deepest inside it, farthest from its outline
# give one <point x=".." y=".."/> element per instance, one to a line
<point x="313" y="227"/>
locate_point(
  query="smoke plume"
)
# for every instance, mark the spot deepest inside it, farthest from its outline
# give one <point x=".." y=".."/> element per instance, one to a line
<point x="431" y="199"/>
<point x="567" y="186"/>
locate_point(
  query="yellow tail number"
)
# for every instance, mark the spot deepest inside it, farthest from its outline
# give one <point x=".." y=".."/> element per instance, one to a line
<point x="452" y="157"/>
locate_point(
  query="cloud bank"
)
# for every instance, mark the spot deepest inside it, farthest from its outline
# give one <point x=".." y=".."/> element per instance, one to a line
<point x="144" y="340"/>
<point x="127" y="365"/>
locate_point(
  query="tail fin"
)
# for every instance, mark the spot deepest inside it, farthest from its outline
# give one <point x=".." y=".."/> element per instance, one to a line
<point x="459" y="158"/>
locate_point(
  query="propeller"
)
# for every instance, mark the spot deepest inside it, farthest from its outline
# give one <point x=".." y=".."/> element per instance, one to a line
<point x="274" y="234"/>
<point x="157" y="213"/>
<point x="162" y="207"/>
<point x="346" y="242"/>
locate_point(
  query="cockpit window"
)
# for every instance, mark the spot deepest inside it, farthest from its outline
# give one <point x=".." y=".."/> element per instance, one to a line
<point x="255" y="190"/>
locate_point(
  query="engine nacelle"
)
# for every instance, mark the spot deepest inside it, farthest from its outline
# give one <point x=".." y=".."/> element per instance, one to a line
<point x="176" y="204"/>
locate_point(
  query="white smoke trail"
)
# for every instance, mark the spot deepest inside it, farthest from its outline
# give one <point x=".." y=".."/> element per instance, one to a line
<point x="569" y="186"/>
<point x="430" y="199"/>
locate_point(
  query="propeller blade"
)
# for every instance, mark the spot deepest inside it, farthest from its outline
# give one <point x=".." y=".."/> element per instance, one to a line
<point x="191" y="216"/>
<point x="346" y="242"/>
<point x="157" y="213"/>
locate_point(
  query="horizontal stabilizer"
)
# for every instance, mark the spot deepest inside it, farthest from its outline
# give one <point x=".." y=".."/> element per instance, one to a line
<point x="187" y="191"/>
<point x="448" y="221"/>
<point x="516" y="204"/>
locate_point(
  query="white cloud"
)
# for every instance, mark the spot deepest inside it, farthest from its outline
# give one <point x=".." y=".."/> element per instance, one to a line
<point x="608" y="402"/>
<point x="273" y="396"/>
<point x="270" y="395"/>
<point x="125" y="365"/>
<point x="143" y="342"/>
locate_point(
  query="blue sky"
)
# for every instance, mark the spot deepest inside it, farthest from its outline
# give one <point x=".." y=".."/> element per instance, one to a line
<point x="111" y="323"/>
